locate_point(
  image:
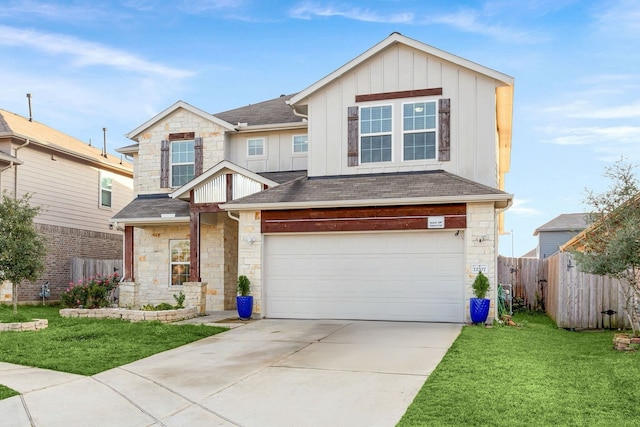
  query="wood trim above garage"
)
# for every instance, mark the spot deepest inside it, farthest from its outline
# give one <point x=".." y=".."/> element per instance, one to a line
<point x="363" y="219"/>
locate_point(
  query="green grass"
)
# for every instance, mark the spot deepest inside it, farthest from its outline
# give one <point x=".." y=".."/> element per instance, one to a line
<point x="536" y="375"/>
<point x="6" y="392"/>
<point x="89" y="346"/>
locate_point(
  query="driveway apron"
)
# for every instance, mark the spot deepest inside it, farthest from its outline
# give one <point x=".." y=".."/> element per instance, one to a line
<point x="266" y="373"/>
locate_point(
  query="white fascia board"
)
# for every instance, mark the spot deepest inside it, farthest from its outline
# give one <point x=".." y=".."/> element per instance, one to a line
<point x="399" y="38"/>
<point x="151" y="221"/>
<point x="272" y="126"/>
<point x="180" y="104"/>
<point x="225" y="164"/>
<point x="502" y="201"/>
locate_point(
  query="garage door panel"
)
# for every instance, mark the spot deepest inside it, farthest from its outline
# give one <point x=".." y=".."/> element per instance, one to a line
<point x="384" y="276"/>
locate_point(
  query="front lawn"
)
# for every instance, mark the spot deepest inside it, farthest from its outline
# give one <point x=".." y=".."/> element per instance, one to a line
<point x="89" y="346"/>
<point x="533" y="375"/>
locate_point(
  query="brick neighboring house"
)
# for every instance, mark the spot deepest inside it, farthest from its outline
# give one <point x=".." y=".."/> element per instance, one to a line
<point x="78" y="190"/>
<point x="375" y="193"/>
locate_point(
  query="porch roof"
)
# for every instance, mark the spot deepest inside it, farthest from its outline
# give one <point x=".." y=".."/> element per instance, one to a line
<point x="153" y="209"/>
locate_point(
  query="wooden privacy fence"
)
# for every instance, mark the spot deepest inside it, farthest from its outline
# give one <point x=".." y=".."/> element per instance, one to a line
<point x="527" y="277"/>
<point x="82" y="268"/>
<point x="571" y="298"/>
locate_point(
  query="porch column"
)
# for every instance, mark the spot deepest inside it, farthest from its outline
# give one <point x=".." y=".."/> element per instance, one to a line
<point x="128" y="253"/>
<point x="194" y="241"/>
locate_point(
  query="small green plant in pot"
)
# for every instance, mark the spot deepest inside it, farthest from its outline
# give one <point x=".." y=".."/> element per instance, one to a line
<point x="244" y="301"/>
<point x="479" y="306"/>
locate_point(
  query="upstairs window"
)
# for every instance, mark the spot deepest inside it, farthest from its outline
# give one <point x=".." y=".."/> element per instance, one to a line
<point x="255" y="147"/>
<point x="300" y="144"/>
<point x="180" y="261"/>
<point x="375" y="134"/>
<point x="419" y="130"/>
<point x="182" y="162"/>
<point x="105" y="190"/>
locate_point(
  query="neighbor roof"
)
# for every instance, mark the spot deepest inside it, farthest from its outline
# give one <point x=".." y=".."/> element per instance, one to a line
<point x="565" y="222"/>
<point x="373" y="189"/>
<point x="272" y="111"/>
<point x="14" y="125"/>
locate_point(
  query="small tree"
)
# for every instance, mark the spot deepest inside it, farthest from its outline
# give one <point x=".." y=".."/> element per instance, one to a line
<point x="22" y="248"/>
<point x="611" y="246"/>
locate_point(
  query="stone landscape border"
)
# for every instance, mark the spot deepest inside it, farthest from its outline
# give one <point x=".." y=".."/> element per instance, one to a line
<point x="164" y="316"/>
<point x="626" y="342"/>
<point x="34" y="325"/>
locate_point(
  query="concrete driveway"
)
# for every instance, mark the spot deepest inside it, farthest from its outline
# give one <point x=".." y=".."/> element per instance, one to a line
<point x="265" y="373"/>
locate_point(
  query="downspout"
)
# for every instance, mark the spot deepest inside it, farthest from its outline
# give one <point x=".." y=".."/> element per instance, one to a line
<point x="15" y="173"/>
<point x="297" y="113"/>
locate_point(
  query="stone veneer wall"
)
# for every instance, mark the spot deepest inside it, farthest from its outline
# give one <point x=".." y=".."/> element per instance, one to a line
<point x="250" y="255"/>
<point x="218" y="266"/>
<point x="481" y="224"/>
<point x="62" y="244"/>
<point x="147" y="176"/>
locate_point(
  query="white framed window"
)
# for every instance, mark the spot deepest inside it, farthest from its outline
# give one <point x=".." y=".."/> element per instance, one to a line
<point x="419" y="130"/>
<point x="182" y="162"/>
<point x="255" y="147"/>
<point x="376" y="127"/>
<point x="300" y="143"/>
<point x="180" y="261"/>
<point x="106" y="189"/>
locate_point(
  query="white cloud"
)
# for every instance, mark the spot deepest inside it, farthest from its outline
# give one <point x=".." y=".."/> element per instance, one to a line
<point x="519" y="208"/>
<point x="83" y="53"/>
<point x="619" y="18"/>
<point x="470" y="21"/>
<point x="199" y="6"/>
<point x="311" y="10"/>
<point x="582" y="109"/>
<point x="594" y="135"/>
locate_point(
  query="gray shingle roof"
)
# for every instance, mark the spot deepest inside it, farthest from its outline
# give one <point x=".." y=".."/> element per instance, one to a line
<point x="565" y="222"/>
<point x="373" y="186"/>
<point x="153" y="206"/>
<point x="263" y="113"/>
<point x="282" y="177"/>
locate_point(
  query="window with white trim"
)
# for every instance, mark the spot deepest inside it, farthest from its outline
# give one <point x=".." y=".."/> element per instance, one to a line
<point x="419" y="130"/>
<point x="255" y="147"/>
<point x="180" y="261"/>
<point x="300" y="143"/>
<point x="106" y="188"/>
<point x="182" y="162"/>
<point x="375" y="134"/>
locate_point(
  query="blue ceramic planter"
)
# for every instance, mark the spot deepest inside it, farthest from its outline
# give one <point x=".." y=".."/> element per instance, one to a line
<point x="479" y="309"/>
<point x="245" y="306"/>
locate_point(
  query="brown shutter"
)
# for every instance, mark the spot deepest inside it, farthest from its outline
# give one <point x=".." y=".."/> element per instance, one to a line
<point x="198" y="156"/>
<point x="352" y="136"/>
<point x="444" y="139"/>
<point x="164" y="164"/>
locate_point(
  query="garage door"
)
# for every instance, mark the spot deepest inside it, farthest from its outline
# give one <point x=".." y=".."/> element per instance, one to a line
<point x="411" y="276"/>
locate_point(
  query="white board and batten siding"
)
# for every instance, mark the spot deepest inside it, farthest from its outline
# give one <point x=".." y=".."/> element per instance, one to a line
<point x="400" y="68"/>
<point x="405" y="276"/>
<point x="278" y="155"/>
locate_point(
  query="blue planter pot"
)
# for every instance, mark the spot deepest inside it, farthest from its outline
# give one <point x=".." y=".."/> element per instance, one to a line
<point x="245" y="306"/>
<point x="479" y="309"/>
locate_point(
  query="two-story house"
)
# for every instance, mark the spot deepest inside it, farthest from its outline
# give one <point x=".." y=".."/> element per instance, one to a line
<point x="406" y="148"/>
<point x="78" y="189"/>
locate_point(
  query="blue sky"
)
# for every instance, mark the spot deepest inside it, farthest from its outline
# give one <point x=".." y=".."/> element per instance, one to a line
<point x="92" y="64"/>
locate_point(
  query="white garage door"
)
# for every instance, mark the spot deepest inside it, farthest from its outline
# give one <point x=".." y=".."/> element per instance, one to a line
<point x="412" y="276"/>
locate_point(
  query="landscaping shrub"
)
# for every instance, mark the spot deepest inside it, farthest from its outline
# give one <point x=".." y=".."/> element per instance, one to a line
<point x="94" y="292"/>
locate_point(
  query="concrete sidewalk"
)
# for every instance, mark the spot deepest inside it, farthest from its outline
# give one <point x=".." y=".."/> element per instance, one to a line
<point x="264" y="373"/>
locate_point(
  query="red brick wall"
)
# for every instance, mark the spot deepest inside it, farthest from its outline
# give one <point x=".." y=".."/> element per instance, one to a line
<point x="62" y="245"/>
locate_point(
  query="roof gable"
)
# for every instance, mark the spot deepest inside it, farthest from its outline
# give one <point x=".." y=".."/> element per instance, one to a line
<point x="225" y="165"/>
<point x="391" y="40"/>
<point x="175" y="107"/>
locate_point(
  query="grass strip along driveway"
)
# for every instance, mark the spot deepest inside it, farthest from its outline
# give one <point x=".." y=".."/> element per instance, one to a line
<point x="535" y="375"/>
<point x="88" y="346"/>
